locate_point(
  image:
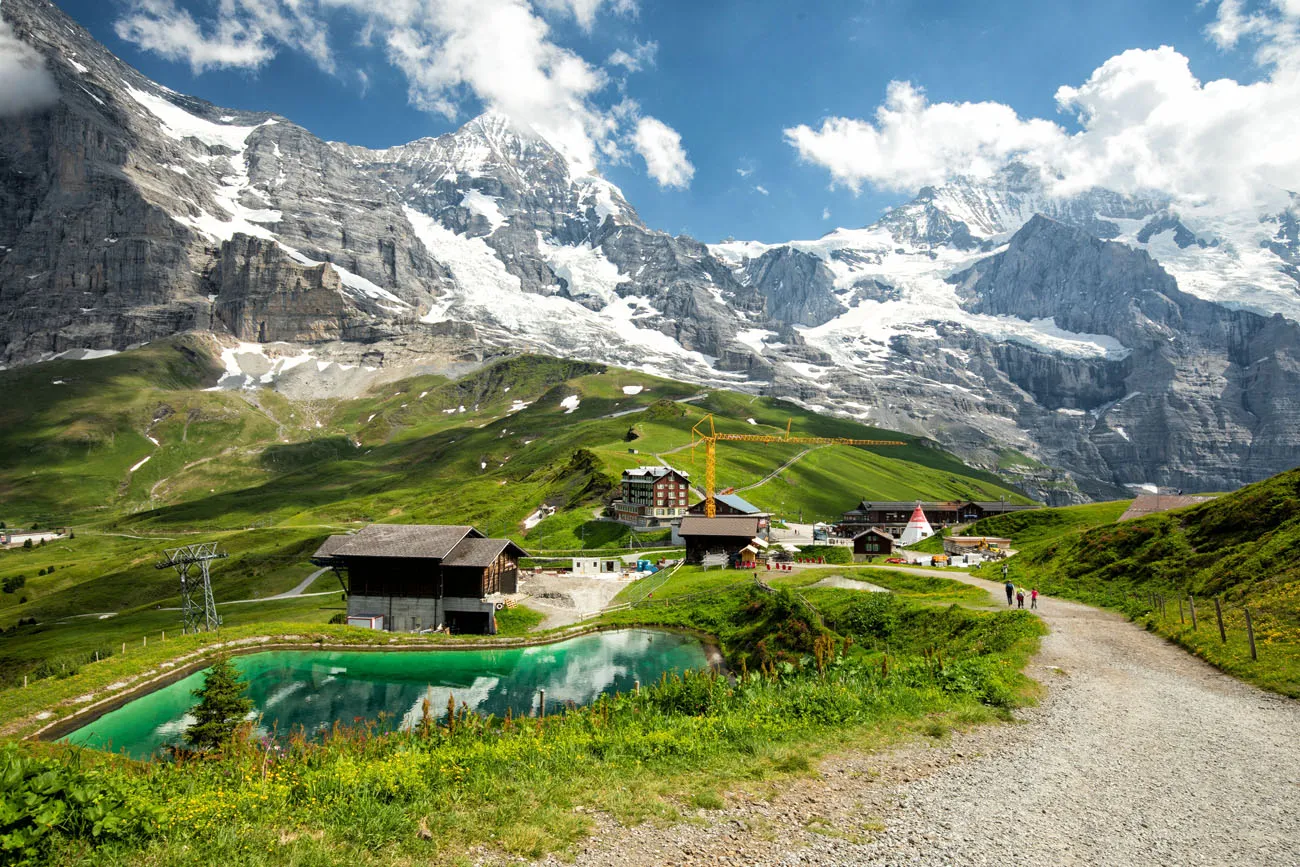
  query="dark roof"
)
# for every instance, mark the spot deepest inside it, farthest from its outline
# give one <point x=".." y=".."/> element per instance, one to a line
<point x="898" y="505"/>
<point x="329" y="546"/>
<point x="932" y="505"/>
<point x="877" y="531"/>
<point x="480" y="552"/>
<point x="431" y="541"/>
<point x="732" y="526"/>
<point x="1150" y="504"/>
<point x="653" y="472"/>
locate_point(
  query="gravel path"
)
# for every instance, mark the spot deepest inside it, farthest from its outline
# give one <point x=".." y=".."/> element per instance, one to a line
<point x="1139" y="754"/>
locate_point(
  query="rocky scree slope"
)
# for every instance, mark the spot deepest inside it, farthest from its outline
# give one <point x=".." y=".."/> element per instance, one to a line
<point x="129" y="212"/>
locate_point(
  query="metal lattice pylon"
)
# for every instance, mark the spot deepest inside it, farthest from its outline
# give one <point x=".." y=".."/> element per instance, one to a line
<point x="195" y="616"/>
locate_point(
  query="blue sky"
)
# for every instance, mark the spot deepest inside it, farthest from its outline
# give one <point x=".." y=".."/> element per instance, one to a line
<point x="729" y="77"/>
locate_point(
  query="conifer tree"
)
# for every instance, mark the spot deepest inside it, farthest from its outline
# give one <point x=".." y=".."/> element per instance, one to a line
<point x="221" y="709"/>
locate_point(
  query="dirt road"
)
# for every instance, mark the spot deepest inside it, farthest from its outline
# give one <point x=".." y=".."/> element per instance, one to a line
<point x="1139" y="754"/>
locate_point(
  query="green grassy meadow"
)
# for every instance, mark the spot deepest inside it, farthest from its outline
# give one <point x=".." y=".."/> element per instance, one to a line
<point x="269" y="478"/>
<point x="817" y="671"/>
<point x="1239" y="549"/>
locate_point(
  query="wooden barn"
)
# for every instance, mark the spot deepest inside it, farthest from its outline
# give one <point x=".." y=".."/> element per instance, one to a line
<point x="726" y="536"/>
<point x="418" y="577"/>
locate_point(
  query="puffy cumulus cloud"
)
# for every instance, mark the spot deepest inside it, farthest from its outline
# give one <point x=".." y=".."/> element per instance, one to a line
<point x="826" y="213"/>
<point x="243" y="35"/>
<point x="1144" y="123"/>
<point x="499" y="54"/>
<point x="661" y="148"/>
<point x="500" y="51"/>
<point x="26" y="84"/>
<point x="914" y="142"/>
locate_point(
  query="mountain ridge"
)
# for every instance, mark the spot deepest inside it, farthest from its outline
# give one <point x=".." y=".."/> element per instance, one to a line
<point x="184" y="216"/>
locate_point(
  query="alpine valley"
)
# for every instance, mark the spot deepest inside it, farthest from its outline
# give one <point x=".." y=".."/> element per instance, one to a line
<point x="1114" y="339"/>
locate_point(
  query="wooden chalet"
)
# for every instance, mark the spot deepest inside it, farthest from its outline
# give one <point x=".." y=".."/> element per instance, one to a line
<point x="873" y="542"/>
<point x="419" y="577"/>
<point x="728" y="536"/>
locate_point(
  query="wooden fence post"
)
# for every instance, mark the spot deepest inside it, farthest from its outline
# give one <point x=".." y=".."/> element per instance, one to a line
<point x="636" y="687"/>
<point x="144" y="641"/>
<point x="1218" y="613"/>
<point x="1181" y="619"/>
<point x="1191" y="606"/>
<point x="1250" y="634"/>
<point x="124" y="647"/>
<point x="541" y="704"/>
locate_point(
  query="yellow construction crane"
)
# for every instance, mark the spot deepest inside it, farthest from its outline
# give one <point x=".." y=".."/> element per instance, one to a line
<point x="711" y="437"/>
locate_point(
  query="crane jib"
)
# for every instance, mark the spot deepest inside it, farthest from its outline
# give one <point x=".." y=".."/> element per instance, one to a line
<point x="711" y="438"/>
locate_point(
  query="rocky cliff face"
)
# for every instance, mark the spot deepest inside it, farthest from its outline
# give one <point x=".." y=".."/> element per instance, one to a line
<point x="1105" y="336"/>
<point x="1203" y="391"/>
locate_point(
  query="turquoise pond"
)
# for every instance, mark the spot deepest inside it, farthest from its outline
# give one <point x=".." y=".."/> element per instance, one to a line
<point x="314" y="689"/>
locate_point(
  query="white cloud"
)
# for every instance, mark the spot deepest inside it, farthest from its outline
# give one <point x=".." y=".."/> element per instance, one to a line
<point x="760" y="189"/>
<point x="826" y="213"/>
<point x="501" y="52"/>
<point x="244" y="34"/>
<point x="661" y="148"/>
<point x="25" y="82"/>
<point x="642" y="56"/>
<point x="584" y="11"/>
<point x="1145" y="122"/>
<point x="914" y="142"/>
<point x="744" y="172"/>
<point x="455" y="54"/>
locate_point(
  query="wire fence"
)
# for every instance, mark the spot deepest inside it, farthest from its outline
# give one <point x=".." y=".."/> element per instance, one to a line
<point x="1210" y="614"/>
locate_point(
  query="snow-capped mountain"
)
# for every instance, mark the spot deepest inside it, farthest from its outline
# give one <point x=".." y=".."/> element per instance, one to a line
<point x="1114" y="337"/>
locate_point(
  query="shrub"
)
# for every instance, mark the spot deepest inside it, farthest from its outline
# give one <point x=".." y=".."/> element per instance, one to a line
<point x="27" y="543"/>
<point x="13" y="583"/>
<point x="40" y="799"/>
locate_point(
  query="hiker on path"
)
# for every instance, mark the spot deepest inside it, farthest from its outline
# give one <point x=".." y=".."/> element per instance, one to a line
<point x="1011" y="589"/>
<point x="1033" y="598"/>
<point x="1020" y="597"/>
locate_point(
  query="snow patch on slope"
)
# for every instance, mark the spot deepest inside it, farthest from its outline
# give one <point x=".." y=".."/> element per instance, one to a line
<point x="485" y="206"/>
<point x="363" y="287"/>
<point x="248" y="365"/>
<point x="489" y="294"/>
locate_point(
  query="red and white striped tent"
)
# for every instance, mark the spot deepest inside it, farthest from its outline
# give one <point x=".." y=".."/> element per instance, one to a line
<point x="917" y="528"/>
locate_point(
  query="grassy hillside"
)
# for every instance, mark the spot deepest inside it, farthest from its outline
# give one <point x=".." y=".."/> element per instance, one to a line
<point x="269" y="478"/>
<point x="809" y="681"/>
<point x="1240" y="549"/>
